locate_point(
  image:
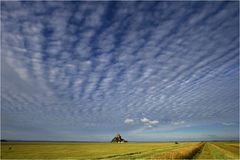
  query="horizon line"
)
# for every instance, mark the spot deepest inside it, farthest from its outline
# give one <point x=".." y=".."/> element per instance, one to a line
<point x="7" y="140"/>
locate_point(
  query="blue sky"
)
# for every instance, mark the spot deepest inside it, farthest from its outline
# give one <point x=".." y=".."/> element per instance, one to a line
<point x="152" y="71"/>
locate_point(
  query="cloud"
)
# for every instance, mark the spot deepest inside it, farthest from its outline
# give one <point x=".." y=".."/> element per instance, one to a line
<point x="227" y="123"/>
<point x="149" y="122"/>
<point x="178" y="123"/>
<point x="90" y="65"/>
<point x="129" y="121"/>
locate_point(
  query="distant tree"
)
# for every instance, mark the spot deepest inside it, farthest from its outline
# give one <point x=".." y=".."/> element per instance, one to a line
<point x="176" y="142"/>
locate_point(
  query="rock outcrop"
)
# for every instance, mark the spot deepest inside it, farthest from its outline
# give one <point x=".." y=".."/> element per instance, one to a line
<point x="118" y="139"/>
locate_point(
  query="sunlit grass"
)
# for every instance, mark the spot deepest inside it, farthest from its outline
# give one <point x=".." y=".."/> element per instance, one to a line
<point x="181" y="153"/>
<point x="220" y="150"/>
<point x="61" y="150"/>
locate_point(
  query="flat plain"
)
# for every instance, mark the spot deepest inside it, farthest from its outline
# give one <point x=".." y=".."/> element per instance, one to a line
<point x="155" y="150"/>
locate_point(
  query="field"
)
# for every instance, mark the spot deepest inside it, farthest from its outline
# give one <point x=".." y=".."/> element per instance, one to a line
<point x="170" y="150"/>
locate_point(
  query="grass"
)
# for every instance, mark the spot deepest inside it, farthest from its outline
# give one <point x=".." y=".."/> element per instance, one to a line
<point x="219" y="150"/>
<point x="181" y="153"/>
<point x="63" y="150"/>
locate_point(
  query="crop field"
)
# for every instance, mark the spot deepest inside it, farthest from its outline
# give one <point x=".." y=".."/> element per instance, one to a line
<point x="170" y="150"/>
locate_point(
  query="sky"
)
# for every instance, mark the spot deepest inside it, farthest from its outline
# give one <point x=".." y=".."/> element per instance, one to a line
<point x="151" y="71"/>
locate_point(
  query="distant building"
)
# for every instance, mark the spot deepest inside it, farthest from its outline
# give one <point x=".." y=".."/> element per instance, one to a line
<point x="3" y="140"/>
<point x="118" y="139"/>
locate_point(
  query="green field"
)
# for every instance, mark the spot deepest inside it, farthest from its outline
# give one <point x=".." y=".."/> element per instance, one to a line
<point x="170" y="150"/>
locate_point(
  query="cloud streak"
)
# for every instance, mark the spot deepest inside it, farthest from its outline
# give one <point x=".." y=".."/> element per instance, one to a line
<point x="178" y="123"/>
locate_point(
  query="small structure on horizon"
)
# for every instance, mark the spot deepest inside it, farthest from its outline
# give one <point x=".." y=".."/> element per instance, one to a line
<point x="118" y="139"/>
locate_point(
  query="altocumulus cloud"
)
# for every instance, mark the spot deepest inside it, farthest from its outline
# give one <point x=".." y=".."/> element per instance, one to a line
<point x="178" y="123"/>
<point x="80" y="68"/>
<point x="228" y="123"/>
<point x="129" y="121"/>
<point x="149" y="122"/>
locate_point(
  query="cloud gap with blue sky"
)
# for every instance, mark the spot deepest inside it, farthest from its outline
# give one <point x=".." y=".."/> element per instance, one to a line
<point x="152" y="71"/>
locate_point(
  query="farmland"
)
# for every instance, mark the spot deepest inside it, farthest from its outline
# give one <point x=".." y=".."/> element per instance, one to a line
<point x="170" y="150"/>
